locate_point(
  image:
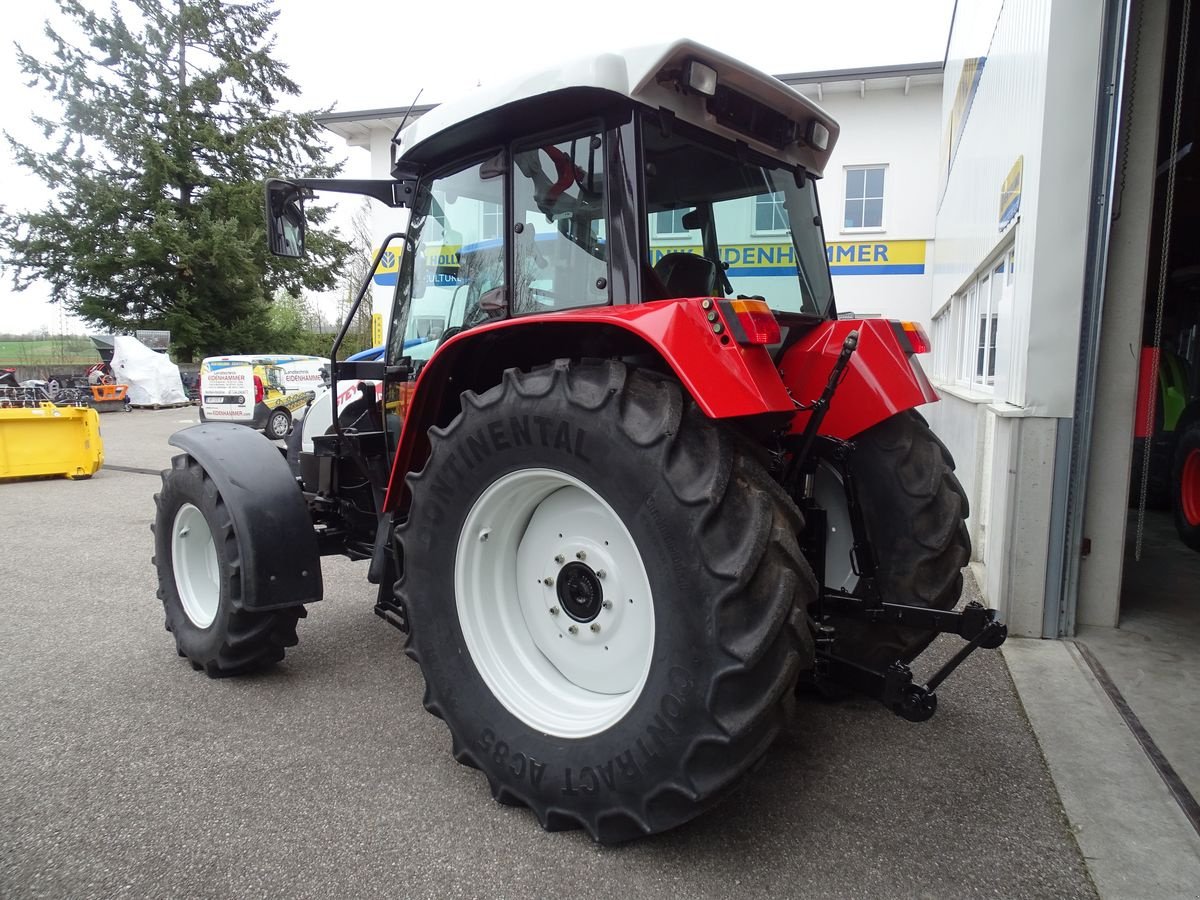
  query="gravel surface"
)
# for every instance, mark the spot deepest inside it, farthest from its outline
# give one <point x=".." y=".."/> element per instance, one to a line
<point x="123" y="773"/>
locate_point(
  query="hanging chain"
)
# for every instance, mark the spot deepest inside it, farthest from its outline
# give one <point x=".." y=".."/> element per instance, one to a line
<point x="1156" y="344"/>
<point x="1127" y="114"/>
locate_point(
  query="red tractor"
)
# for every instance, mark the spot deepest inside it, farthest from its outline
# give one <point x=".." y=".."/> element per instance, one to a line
<point x="623" y="478"/>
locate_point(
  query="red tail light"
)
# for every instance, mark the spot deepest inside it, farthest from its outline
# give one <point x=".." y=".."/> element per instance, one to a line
<point x="912" y="337"/>
<point x="750" y="321"/>
<point x="258" y="389"/>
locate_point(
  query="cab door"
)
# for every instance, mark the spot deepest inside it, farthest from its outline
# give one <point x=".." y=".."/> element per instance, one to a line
<point x="452" y="275"/>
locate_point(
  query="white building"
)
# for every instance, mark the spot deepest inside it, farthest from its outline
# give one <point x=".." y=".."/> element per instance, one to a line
<point x="1067" y="262"/>
<point x="1029" y="155"/>
<point x="1012" y="224"/>
<point x="879" y="187"/>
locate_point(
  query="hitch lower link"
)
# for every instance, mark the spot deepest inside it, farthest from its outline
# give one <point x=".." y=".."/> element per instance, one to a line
<point x="894" y="686"/>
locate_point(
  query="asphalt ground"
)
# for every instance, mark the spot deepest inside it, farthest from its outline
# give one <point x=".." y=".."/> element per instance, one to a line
<point x="124" y="773"/>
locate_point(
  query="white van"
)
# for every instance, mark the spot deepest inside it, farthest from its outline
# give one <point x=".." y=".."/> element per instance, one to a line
<point x="262" y="391"/>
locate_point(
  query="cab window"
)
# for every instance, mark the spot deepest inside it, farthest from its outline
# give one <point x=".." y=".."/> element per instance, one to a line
<point x="559" y="252"/>
<point x="456" y="265"/>
<point x="729" y="223"/>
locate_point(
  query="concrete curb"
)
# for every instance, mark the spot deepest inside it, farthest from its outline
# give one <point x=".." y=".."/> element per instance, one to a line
<point x="1134" y="838"/>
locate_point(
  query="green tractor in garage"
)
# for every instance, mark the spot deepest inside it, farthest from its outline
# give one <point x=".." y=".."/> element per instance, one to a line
<point x="627" y="499"/>
<point x="1167" y="421"/>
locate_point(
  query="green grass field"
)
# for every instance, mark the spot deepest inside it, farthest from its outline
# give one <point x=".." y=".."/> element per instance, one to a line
<point x="68" y="351"/>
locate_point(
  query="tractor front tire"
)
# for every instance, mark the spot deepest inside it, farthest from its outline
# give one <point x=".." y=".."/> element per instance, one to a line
<point x="197" y="556"/>
<point x="604" y="590"/>
<point x="915" y="514"/>
<point x="1185" y="486"/>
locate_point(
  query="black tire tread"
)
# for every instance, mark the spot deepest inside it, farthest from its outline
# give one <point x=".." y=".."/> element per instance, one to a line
<point x="744" y="535"/>
<point x="919" y="534"/>
<point x="252" y="640"/>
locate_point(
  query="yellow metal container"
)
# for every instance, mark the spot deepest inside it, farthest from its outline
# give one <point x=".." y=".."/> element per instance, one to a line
<point x="50" y="440"/>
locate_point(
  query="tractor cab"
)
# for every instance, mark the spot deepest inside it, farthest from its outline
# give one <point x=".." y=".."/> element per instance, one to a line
<point x="662" y="174"/>
<point x="548" y="224"/>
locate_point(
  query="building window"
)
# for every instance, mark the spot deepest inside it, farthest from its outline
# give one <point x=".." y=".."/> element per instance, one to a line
<point x="972" y="324"/>
<point x="966" y="332"/>
<point x="943" y="345"/>
<point x="669" y="223"/>
<point x="864" y="197"/>
<point x="492" y="221"/>
<point x="769" y="214"/>
<point x="985" y="351"/>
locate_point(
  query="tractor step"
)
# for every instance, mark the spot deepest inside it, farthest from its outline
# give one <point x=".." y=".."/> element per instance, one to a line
<point x="392" y="611"/>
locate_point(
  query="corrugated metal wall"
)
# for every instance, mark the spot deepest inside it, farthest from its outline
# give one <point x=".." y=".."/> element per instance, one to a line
<point x="1020" y="93"/>
<point x="1003" y="123"/>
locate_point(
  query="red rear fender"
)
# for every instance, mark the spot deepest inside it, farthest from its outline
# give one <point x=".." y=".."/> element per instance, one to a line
<point x="726" y="379"/>
<point x="881" y="380"/>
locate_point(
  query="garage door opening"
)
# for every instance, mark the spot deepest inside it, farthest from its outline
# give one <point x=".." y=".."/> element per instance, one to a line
<point x="1153" y="655"/>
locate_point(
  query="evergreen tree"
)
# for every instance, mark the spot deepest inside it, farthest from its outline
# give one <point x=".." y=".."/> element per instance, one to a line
<point x="166" y="127"/>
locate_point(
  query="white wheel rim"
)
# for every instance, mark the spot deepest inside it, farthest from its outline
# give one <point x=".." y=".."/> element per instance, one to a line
<point x="278" y="425"/>
<point x="830" y="495"/>
<point x="194" y="559"/>
<point x="536" y="526"/>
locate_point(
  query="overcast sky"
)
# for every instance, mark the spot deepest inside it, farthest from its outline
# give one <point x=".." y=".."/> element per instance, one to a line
<point x="363" y="54"/>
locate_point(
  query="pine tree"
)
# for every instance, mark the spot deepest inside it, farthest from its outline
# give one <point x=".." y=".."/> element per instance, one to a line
<point x="167" y="124"/>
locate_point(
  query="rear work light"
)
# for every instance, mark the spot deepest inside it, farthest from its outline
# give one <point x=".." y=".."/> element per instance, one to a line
<point x="700" y="78"/>
<point x="749" y="321"/>
<point x="912" y="337"/>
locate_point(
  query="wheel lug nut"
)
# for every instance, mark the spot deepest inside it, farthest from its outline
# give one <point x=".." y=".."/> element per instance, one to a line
<point x="560" y="559"/>
<point x="600" y="573"/>
<point x="608" y="604"/>
<point x="581" y="555"/>
<point x="595" y="626"/>
<point x="554" y="610"/>
<point x="548" y="581"/>
<point x="574" y="629"/>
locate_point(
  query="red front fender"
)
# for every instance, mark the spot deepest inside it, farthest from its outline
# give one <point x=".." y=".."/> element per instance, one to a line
<point x="881" y="379"/>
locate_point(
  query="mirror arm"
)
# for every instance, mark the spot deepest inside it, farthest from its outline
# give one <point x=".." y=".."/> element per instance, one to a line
<point x="397" y="194"/>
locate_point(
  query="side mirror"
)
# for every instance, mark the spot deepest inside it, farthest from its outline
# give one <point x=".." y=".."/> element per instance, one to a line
<point x="285" y="218"/>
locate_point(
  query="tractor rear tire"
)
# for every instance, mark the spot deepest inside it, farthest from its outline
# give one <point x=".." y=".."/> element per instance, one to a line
<point x="197" y="555"/>
<point x="604" y="590"/>
<point x="1185" y="486"/>
<point x="915" y="514"/>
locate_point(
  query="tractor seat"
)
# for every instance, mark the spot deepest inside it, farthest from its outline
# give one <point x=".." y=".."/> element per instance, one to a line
<point x="687" y="275"/>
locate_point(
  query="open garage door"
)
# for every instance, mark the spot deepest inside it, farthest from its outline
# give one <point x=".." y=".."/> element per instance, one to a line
<point x="1153" y="655"/>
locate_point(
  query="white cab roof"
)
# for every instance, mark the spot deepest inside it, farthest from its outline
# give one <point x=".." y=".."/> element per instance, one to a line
<point x="635" y="74"/>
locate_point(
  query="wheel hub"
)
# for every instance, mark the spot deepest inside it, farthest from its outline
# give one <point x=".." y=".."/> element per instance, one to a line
<point x="194" y="561"/>
<point x="579" y="591"/>
<point x="554" y="602"/>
